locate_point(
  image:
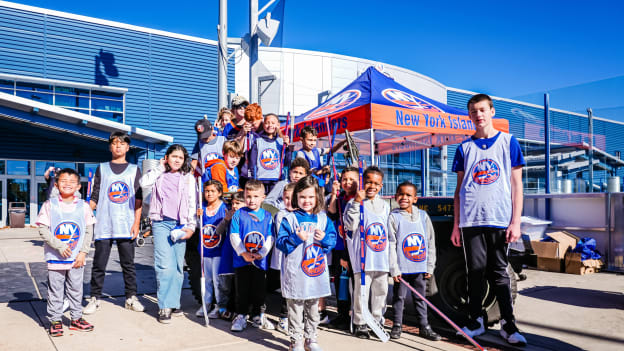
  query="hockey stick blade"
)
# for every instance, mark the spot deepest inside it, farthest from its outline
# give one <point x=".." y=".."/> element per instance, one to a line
<point x="375" y="325"/>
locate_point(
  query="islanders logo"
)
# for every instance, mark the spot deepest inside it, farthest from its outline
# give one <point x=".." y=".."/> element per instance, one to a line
<point x="253" y="241"/>
<point x="408" y="100"/>
<point x="335" y="104"/>
<point x="118" y="192"/>
<point x="269" y="159"/>
<point x="68" y="232"/>
<point x="376" y="237"/>
<point x="414" y="248"/>
<point x="485" y="172"/>
<point x="313" y="263"/>
<point x="210" y="237"/>
<point x="209" y="157"/>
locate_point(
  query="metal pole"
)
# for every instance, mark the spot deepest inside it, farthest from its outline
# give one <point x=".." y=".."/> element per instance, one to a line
<point x="423" y="176"/>
<point x="253" y="50"/>
<point x="547" y="150"/>
<point x="372" y="146"/>
<point x="222" y="64"/>
<point x="591" y="149"/>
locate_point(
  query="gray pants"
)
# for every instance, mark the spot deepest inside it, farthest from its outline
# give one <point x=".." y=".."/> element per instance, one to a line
<point x="65" y="283"/>
<point x="375" y="291"/>
<point x="303" y="319"/>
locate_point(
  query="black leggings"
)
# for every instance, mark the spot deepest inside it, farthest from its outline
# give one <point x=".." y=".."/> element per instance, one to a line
<point x="250" y="289"/>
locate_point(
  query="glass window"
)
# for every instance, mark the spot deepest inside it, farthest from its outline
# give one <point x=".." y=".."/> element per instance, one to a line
<point x="7" y="90"/>
<point x="84" y="168"/>
<point x="18" y="167"/>
<point x="34" y="87"/>
<point x="71" y="91"/>
<point x="71" y="101"/>
<point x="113" y="116"/>
<point x="106" y="105"/>
<point x="18" y="190"/>
<point x="106" y="95"/>
<point x="6" y="84"/>
<point x="2" y="167"/>
<point x="37" y="96"/>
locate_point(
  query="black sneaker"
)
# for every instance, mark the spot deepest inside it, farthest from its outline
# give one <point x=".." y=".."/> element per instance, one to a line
<point x="164" y="315"/>
<point x="176" y="312"/>
<point x="361" y="331"/>
<point x="324" y="320"/>
<point x="395" y="333"/>
<point x="428" y="333"/>
<point x="340" y="323"/>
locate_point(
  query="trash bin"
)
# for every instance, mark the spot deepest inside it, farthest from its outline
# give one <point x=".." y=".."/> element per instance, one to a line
<point x="17" y="214"/>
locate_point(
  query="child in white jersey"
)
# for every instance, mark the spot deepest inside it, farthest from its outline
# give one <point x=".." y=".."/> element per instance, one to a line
<point x="305" y="237"/>
<point x="488" y="205"/>
<point x="412" y="257"/>
<point x="66" y="226"/>
<point x="376" y="212"/>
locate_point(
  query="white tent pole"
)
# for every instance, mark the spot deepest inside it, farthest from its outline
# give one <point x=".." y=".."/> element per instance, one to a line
<point x="372" y="146"/>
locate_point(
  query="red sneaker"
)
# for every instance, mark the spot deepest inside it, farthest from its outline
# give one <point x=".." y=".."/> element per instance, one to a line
<point x="56" y="328"/>
<point x="80" y="325"/>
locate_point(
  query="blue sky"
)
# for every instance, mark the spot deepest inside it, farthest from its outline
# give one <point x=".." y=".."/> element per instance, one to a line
<point x="507" y="49"/>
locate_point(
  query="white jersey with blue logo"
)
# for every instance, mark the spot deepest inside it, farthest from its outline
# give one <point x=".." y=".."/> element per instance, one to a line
<point x="268" y="160"/>
<point x="411" y="242"/>
<point x="375" y="239"/>
<point x="485" y="193"/>
<point x="305" y="274"/>
<point x="68" y="227"/>
<point x="115" y="211"/>
<point x="211" y="150"/>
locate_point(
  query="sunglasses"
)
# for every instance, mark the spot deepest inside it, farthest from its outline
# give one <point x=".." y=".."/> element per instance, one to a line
<point x="240" y="106"/>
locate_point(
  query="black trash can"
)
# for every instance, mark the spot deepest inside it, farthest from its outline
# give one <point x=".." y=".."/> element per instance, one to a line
<point x="17" y="214"/>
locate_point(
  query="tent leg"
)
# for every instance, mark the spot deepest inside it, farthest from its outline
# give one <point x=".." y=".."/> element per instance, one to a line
<point x="372" y="146"/>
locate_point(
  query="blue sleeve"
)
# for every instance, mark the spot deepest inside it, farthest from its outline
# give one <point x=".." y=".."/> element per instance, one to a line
<point x="235" y="224"/>
<point x="515" y="152"/>
<point x="195" y="153"/>
<point x="458" y="160"/>
<point x="287" y="241"/>
<point x="329" y="241"/>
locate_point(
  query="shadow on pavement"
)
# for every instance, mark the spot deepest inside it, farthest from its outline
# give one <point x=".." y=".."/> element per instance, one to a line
<point x="577" y="296"/>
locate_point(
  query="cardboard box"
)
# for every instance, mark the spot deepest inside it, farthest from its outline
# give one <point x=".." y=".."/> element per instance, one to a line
<point x="550" y="255"/>
<point x="574" y="264"/>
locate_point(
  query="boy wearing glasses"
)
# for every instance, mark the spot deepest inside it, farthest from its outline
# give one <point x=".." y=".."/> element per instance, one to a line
<point x="117" y="196"/>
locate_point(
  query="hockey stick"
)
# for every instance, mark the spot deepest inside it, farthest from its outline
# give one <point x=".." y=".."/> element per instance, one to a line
<point x="201" y="240"/>
<point x="331" y="146"/>
<point x="471" y="340"/>
<point x="353" y="154"/>
<point x="375" y="325"/>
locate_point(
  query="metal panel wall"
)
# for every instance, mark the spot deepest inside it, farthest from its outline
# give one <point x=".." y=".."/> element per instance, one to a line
<point x="171" y="82"/>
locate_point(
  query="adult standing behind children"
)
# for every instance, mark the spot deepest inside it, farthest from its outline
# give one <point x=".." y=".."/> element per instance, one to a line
<point x="312" y="154"/>
<point x="173" y="212"/>
<point x="488" y="205"/>
<point x="237" y="127"/>
<point x="118" y="199"/>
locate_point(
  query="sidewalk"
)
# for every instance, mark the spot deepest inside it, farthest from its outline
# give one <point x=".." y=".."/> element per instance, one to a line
<point x="554" y="311"/>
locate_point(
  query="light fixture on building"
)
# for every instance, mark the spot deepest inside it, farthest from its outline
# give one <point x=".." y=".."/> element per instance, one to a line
<point x="267" y="29"/>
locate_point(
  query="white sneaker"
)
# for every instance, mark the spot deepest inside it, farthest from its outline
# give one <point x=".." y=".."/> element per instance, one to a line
<point x="266" y="323"/>
<point x="312" y="345"/>
<point x="512" y="335"/>
<point x="200" y="312"/>
<point x="214" y="313"/>
<point x="283" y="325"/>
<point x="239" y="323"/>
<point x="474" y="332"/>
<point x="92" y="306"/>
<point x="132" y="303"/>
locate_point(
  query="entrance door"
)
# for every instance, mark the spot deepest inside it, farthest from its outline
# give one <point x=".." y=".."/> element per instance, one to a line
<point x="18" y="190"/>
<point x="3" y="204"/>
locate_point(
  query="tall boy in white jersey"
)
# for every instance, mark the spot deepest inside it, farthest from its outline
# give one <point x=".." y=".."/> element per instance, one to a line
<point x="117" y="196"/>
<point x="488" y="205"/>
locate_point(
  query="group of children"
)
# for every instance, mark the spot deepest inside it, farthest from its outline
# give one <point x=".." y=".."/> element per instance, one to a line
<point x="246" y="250"/>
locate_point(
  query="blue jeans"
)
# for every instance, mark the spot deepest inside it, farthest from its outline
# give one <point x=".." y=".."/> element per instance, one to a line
<point x="168" y="263"/>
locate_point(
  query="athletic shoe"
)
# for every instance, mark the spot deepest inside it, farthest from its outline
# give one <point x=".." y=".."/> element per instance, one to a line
<point x="56" y="328"/>
<point x="214" y="313"/>
<point x="239" y="324"/>
<point x="340" y="323"/>
<point x="474" y="330"/>
<point x="511" y="334"/>
<point x="266" y="323"/>
<point x="164" y="315"/>
<point x="176" y="312"/>
<point x="395" y="333"/>
<point x="428" y="333"/>
<point x="283" y="325"/>
<point x="227" y="315"/>
<point x="81" y="325"/>
<point x="361" y="331"/>
<point x="324" y="320"/>
<point x="312" y="345"/>
<point x="296" y="345"/>
<point x="200" y="312"/>
<point x="132" y="303"/>
<point x="92" y="306"/>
